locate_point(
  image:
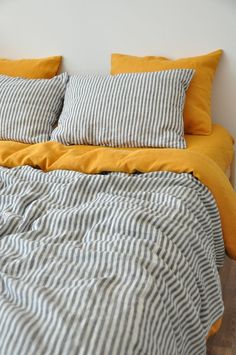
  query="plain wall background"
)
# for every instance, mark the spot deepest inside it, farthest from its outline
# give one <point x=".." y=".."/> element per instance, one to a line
<point x="87" y="32"/>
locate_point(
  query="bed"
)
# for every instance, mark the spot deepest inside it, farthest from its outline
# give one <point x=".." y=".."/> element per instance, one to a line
<point x="113" y="223"/>
<point x="113" y="250"/>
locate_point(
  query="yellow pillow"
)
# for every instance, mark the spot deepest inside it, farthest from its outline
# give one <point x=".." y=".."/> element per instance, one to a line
<point x="42" y="68"/>
<point x="197" y="111"/>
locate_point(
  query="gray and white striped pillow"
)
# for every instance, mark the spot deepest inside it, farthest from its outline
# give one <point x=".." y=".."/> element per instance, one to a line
<point x="29" y="108"/>
<point x="125" y="110"/>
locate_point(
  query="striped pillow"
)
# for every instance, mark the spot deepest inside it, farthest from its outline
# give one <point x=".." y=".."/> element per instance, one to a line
<point x="29" y="108"/>
<point x="126" y="110"/>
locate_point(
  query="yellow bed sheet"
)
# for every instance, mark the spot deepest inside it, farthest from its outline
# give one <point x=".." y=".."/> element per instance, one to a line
<point x="218" y="146"/>
<point x="207" y="157"/>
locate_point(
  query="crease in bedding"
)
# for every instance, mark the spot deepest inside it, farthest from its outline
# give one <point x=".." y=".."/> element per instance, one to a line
<point x="107" y="263"/>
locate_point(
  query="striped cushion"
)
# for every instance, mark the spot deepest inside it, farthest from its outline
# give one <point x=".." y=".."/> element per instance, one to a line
<point x="30" y="108"/>
<point x="126" y="110"/>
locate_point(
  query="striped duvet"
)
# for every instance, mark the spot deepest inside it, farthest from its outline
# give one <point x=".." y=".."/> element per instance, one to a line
<point x="107" y="264"/>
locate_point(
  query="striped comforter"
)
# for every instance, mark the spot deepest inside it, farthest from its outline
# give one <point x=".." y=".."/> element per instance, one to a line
<point x="107" y="264"/>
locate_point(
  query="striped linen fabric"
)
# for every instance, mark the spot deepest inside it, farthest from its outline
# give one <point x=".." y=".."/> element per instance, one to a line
<point x="111" y="264"/>
<point x="126" y="110"/>
<point x="29" y="108"/>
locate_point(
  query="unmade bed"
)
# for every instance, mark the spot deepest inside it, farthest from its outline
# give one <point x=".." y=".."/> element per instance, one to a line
<point x="112" y="251"/>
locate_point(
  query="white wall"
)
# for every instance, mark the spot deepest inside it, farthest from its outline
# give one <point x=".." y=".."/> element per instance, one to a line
<point x="86" y="32"/>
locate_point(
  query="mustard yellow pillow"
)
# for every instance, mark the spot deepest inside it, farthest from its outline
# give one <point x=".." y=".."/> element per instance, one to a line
<point x="41" y="68"/>
<point x="197" y="111"/>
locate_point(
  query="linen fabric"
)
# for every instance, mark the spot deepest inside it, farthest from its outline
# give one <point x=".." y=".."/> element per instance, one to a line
<point x="107" y="264"/>
<point x="197" y="110"/>
<point x="199" y="159"/>
<point x="29" y="108"/>
<point x="127" y="110"/>
<point x="36" y="68"/>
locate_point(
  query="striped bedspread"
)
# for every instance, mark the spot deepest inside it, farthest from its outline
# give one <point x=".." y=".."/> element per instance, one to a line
<point x="108" y="264"/>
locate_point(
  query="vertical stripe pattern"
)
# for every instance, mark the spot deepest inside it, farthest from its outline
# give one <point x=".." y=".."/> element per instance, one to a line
<point x="126" y="110"/>
<point x="107" y="264"/>
<point x="29" y="108"/>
